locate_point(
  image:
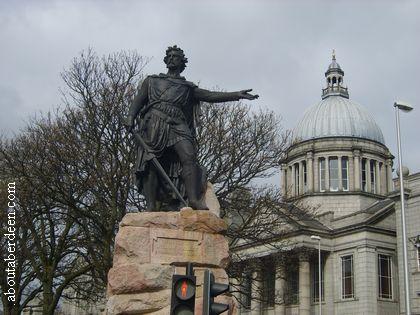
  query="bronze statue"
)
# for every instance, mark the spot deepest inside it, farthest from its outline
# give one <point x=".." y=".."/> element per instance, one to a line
<point x="166" y="108"/>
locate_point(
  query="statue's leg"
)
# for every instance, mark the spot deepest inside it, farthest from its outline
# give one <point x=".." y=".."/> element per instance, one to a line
<point x="191" y="174"/>
<point x="150" y="188"/>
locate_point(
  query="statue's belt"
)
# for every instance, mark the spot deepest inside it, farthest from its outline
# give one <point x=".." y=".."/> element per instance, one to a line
<point x="179" y="118"/>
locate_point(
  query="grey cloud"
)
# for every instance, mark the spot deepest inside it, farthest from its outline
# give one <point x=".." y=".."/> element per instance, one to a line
<point x="279" y="48"/>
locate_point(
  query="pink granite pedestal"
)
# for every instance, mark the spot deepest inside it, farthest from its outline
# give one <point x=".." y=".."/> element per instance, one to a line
<point x="151" y="246"/>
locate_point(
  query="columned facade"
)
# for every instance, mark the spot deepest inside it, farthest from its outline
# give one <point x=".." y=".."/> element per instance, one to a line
<point x="310" y="170"/>
<point x="340" y="166"/>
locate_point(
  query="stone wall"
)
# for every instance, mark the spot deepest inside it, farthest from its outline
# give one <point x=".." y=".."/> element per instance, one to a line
<point x="412" y="218"/>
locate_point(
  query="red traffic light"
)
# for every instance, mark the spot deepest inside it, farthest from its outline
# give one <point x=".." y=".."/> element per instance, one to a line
<point x="184" y="289"/>
<point x="183" y="292"/>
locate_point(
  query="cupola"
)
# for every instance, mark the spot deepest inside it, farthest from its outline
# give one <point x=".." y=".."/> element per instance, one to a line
<point x="334" y="78"/>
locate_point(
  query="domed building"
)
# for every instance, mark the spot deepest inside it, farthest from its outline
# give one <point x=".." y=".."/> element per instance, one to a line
<point x="340" y="169"/>
<point x="338" y="157"/>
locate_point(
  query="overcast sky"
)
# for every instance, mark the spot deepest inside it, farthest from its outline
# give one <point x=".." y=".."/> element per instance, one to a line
<point x="281" y="49"/>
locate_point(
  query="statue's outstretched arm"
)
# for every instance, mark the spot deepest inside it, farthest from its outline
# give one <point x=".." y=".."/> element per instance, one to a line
<point x="140" y="100"/>
<point x="218" y="97"/>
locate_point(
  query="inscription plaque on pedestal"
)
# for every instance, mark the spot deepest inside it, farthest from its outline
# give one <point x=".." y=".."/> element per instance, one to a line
<point x="170" y="245"/>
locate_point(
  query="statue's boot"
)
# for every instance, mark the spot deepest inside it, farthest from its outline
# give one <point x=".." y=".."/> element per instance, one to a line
<point x="191" y="175"/>
<point x="150" y="187"/>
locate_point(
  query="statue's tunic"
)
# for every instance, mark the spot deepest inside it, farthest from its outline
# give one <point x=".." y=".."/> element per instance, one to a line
<point x="167" y="118"/>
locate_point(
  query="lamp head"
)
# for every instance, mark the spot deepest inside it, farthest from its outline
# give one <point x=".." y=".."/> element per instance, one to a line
<point x="403" y="106"/>
<point x="315" y="237"/>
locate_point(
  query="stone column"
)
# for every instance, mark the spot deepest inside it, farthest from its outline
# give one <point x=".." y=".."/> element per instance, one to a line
<point x="327" y="173"/>
<point x="280" y="307"/>
<point x="366" y="278"/>
<point x="329" y="283"/>
<point x="383" y="179"/>
<point x="283" y="168"/>
<point x="390" y="183"/>
<point x="368" y="181"/>
<point x="350" y="172"/>
<point x="256" y="293"/>
<point x="293" y="188"/>
<point x="309" y="171"/>
<point x="340" y="175"/>
<point x="356" y="159"/>
<point x="301" y="190"/>
<point x="289" y="192"/>
<point x="378" y="178"/>
<point x="316" y="175"/>
<point x="304" y="285"/>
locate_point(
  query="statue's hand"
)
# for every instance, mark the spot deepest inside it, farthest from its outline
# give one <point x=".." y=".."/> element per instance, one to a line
<point x="244" y="94"/>
<point x="128" y="122"/>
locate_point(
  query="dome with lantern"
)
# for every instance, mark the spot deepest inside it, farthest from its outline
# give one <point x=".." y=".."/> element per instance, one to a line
<point x="336" y="115"/>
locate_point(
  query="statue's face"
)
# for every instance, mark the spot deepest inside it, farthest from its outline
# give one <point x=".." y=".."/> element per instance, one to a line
<point x="174" y="60"/>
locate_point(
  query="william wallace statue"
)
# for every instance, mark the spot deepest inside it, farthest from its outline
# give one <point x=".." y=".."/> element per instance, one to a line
<point x="166" y="111"/>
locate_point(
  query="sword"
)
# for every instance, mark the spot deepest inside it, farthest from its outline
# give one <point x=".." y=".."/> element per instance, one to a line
<point x="159" y="167"/>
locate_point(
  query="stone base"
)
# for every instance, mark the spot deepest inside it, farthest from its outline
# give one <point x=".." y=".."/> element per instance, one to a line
<point x="152" y="246"/>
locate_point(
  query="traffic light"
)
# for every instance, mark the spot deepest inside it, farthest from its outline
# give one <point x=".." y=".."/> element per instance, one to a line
<point x="183" y="293"/>
<point x="212" y="289"/>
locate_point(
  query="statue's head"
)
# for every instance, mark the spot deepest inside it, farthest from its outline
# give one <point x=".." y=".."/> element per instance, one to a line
<point x="175" y="58"/>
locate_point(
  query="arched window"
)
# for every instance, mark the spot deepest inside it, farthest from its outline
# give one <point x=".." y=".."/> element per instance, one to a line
<point x="380" y="178"/>
<point x="246" y="289"/>
<point x="334" y="80"/>
<point x="364" y="175"/>
<point x="345" y="173"/>
<point x="322" y="174"/>
<point x="333" y="171"/>
<point x="305" y="177"/>
<point x="297" y="182"/>
<point x="372" y="176"/>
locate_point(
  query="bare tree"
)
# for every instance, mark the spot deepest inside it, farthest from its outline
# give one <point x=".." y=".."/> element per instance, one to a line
<point x="238" y="146"/>
<point x="97" y="95"/>
<point x="75" y="171"/>
<point x="16" y="267"/>
<point x="52" y="255"/>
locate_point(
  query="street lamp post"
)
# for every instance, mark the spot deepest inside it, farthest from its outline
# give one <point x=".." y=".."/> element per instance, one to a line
<point x="316" y="237"/>
<point x="406" y="108"/>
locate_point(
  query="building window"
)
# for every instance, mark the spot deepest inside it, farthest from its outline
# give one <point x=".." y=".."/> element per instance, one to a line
<point x="305" y="177"/>
<point x="418" y="258"/>
<point x="372" y="176"/>
<point x="297" y="183"/>
<point x="364" y="175"/>
<point x="345" y="173"/>
<point x="380" y="179"/>
<point x="246" y="290"/>
<point x="347" y="277"/>
<point x="291" y="292"/>
<point x="268" y="284"/>
<point x="322" y="174"/>
<point x="385" y="276"/>
<point x="333" y="170"/>
<point x="315" y="281"/>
